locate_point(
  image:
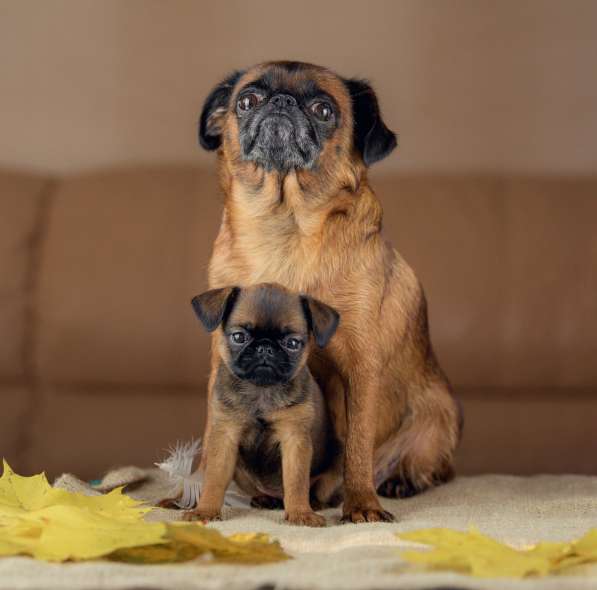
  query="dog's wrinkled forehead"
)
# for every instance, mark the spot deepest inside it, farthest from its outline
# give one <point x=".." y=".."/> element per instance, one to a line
<point x="269" y="307"/>
<point x="302" y="80"/>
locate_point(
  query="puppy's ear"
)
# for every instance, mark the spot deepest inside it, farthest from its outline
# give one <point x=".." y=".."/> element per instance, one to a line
<point x="372" y="138"/>
<point x="321" y="319"/>
<point x="213" y="307"/>
<point x="214" y="109"/>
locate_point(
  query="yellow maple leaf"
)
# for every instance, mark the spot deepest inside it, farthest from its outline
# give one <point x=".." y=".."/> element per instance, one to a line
<point x="587" y="546"/>
<point x="190" y="540"/>
<point x="253" y="548"/>
<point x="481" y="556"/>
<point x="57" y="525"/>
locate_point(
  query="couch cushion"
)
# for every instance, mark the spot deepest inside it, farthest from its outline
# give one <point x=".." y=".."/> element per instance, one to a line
<point x="20" y="198"/>
<point x="88" y="431"/>
<point x="550" y="298"/>
<point x="125" y="253"/>
<point x="527" y="430"/>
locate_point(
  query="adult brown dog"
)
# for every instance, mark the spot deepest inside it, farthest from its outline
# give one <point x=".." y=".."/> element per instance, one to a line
<point x="294" y="142"/>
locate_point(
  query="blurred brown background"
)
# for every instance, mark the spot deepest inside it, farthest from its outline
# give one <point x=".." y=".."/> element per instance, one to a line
<point x="108" y="209"/>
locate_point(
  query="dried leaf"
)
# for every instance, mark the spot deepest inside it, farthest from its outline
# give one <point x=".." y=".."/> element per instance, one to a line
<point x="481" y="556"/>
<point x="250" y="548"/>
<point x="191" y="540"/>
<point x="57" y="525"/>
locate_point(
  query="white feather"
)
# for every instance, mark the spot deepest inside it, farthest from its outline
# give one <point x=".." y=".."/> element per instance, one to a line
<point x="187" y="483"/>
<point x="179" y="466"/>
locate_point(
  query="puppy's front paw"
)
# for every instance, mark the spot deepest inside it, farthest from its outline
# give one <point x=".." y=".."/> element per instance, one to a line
<point x="305" y="519"/>
<point x="202" y="515"/>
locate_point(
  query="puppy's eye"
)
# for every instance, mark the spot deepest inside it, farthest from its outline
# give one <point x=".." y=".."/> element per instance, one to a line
<point x="238" y="337"/>
<point x="322" y="110"/>
<point x="293" y="343"/>
<point x="248" y="101"/>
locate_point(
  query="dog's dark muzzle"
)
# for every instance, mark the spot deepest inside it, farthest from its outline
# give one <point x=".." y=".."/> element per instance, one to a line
<point x="277" y="128"/>
<point x="280" y="136"/>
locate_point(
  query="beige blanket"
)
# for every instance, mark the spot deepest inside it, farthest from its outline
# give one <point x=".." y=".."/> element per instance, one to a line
<point x="517" y="510"/>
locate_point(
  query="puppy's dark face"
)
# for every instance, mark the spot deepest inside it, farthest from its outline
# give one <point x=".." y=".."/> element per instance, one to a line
<point x="291" y="115"/>
<point x="266" y="337"/>
<point x="266" y="330"/>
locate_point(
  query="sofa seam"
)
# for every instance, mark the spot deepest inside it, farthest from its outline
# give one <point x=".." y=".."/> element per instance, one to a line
<point x="35" y="246"/>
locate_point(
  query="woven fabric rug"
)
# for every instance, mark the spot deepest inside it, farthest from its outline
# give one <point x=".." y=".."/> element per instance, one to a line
<point x="517" y="510"/>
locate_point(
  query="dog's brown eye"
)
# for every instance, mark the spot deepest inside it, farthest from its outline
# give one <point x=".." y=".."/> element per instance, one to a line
<point x="238" y="337"/>
<point x="322" y="110"/>
<point x="293" y="343"/>
<point x="248" y="101"/>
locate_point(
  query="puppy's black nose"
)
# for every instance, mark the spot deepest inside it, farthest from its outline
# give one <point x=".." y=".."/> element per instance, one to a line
<point x="283" y="101"/>
<point x="265" y="348"/>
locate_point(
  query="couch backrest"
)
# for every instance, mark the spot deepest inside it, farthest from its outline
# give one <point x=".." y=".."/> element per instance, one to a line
<point x="508" y="266"/>
<point x="510" y="269"/>
<point x="125" y="252"/>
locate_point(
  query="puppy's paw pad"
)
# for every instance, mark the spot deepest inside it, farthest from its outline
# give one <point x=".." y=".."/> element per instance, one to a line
<point x="305" y="519"/>
<point x="202" y="515"/>
<point x="367" y="515"/>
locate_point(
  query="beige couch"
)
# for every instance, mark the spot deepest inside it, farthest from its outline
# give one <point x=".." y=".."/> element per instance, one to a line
<point x="102" y="362"/>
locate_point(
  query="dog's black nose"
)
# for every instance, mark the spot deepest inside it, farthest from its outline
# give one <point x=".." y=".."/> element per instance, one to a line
<point x="265" y="349"/>
<point x="283" y="100"/>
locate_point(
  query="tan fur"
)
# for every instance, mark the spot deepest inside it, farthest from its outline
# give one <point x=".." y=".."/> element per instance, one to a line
<point x="292" y="428"/>
<point x="219" y="461"/>
<point x="319" y="232"/>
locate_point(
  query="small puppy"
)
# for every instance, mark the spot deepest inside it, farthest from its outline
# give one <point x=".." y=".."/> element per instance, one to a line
<point x="267" y="420"/>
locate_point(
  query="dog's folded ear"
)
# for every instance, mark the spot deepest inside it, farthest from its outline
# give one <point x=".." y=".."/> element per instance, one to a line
<point x="213" y="307"/>
<point x="372" y="138"/>
<point x="322" y="319"/>
<point x="214" y="109"/>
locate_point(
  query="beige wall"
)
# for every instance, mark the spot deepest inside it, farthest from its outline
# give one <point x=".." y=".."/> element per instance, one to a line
<point x="471" y="86"/>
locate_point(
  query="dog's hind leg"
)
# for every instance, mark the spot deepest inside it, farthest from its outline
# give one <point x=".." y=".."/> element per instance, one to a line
<point x="420" y="454"/>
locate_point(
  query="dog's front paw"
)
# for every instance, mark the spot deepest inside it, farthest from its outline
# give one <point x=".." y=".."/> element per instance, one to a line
<point x="305" y="519"/>
<point x="358" y="510"/>
<point x="202" y="515"/>
<point x="359" y="515"/>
